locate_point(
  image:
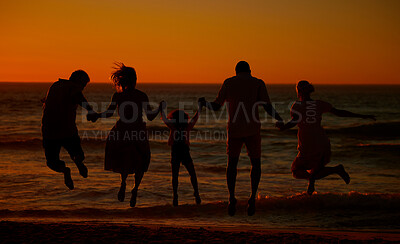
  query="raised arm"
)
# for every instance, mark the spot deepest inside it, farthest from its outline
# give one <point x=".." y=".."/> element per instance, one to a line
<point x="164" y="118"/>
<point x="200" y="104"/>
<point x="345" y="113"/>
<point x="150" y="114"/>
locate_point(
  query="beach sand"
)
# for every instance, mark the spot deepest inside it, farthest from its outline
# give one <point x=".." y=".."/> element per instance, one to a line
<point x="94" y="232"/>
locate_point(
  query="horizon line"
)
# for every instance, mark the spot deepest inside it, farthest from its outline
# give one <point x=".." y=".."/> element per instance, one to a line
<point x="211" y="83"/>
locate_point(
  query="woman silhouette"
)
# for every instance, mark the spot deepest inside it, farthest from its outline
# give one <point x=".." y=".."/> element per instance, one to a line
<point x="313" y="145"/>
<point x="127" y="147"/>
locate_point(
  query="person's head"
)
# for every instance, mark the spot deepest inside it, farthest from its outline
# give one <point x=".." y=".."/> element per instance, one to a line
<point x="124" y="77"/>
<point x="304" y="89"/>
<point x="242" y="67"/>
<point x="80" y="77"/>
<point x="179" y="117"/>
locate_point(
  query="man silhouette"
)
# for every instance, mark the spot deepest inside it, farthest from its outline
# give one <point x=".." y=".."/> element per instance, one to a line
<point x="243" y="93"/>
<point x="58" y="124"/>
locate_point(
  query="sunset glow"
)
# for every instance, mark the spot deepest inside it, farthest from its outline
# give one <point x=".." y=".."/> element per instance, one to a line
<point x="335" y="42"/>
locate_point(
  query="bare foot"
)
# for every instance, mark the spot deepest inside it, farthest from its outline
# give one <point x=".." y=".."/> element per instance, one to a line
<point x="82" y="169"/>
<point x="121" y="193"/>
<point x="197" y="198"/>
<point x="67" y="178"/>
<point x="232" y="206"/>
<point x="345" y="176"/>
<point x="251" y="207"/>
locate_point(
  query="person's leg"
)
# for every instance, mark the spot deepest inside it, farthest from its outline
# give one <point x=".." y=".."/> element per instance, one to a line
<point x="255" y="176"/>
<point x="175" y="165"/>
<point x="253" y="146"/>
<point x="193" y="179"/>
<point x="121" y="192"/>
<point x="326" y="171"/>
<point x="320" y="173"/>
<point x="138" y="180"/>
<point x="74" y="148"/>
<point x="52" y="152"/>
<point x="255" y="180"/>
<point x="231" y="173"/>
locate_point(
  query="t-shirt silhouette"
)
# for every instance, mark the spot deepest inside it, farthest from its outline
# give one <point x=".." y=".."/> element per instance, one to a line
<point x="243" y="93"/>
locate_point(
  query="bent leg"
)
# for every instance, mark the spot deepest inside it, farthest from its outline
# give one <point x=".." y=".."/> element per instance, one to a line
<point x="74" y="149"/>
<point x="52" y="152"/>
<point x="326" y="171"/>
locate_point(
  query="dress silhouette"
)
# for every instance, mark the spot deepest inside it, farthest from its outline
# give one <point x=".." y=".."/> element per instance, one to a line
<point x="313" y="144"/>
<point x="127" y="147"/>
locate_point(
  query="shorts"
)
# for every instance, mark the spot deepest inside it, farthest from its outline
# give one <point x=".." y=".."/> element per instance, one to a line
<point x="52" y="149"/>
<point x="253" y="146"/>
<point x="180" y="153"/>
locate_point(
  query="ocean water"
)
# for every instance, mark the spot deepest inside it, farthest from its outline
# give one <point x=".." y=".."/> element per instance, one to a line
<point x="369" y="150"/>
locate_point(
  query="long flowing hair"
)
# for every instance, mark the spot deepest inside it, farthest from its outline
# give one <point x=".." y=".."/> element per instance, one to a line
<point x="123" y="77"/>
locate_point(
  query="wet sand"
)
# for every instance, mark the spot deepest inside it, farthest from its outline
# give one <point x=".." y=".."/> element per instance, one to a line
<point x="89" y="232"/>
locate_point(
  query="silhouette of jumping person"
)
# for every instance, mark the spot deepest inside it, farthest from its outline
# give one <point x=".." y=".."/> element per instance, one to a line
<point x="243" y="94"/>
<point x="180" y="127"/>
<point x="127" y="147"/>
<point x="58" y="124"/>
<point x="313" y="145"/>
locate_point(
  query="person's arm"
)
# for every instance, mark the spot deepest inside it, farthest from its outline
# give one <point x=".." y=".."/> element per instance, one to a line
<point x="81" y="100"/>
<point x="110" y="110"/>
<point x="164" y="118"/>
<point x="271" y="111"/>
<point x="193" y="121"/>
<point x="210" y="105"/>
<point x="263" y="98"/>
<point x="93" y="116"/>
<point x="213" y="106"/>
<point x="345" y="113"/>
<point x="292" y="123"/>
<point x="150" y="114"/>
<point x="219" y="100"/>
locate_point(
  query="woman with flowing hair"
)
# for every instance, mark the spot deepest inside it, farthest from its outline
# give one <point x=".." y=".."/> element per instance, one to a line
<point x="313" y="144"/>
<point x="127" y="146"/>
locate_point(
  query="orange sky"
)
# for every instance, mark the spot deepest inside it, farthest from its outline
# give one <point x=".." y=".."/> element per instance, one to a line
<point x="341" y="41"/>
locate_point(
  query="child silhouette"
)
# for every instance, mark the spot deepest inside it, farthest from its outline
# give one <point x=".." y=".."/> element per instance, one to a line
<point x="180" y="127"/>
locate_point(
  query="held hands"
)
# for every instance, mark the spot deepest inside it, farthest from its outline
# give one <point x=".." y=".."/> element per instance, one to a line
<point x="92" y="116"/>
<point x="201" y="102"/>
<point x="162" y="106"/>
